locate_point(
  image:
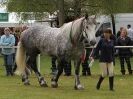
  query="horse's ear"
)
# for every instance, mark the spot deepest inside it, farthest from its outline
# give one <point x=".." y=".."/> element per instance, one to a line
<point x="86" y="16"/>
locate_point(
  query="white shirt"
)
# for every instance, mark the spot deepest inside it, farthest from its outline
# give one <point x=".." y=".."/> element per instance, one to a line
<point x="130" y="33"/>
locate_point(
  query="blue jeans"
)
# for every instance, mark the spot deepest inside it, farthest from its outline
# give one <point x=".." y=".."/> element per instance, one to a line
<point x="8" y="60"/>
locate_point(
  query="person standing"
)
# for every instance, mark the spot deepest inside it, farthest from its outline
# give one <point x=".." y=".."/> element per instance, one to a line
<point x="119" y="32"/>
<point x="54" y="65"/>
<point x="124" y="53"/>
<point x="85" y="65"/>
<point x="67" y="68"/>
<point x="16" y="35"/>
<point x="130" y="32"/>
<point x="8" y="40"/>
<point x="106" y="47"/>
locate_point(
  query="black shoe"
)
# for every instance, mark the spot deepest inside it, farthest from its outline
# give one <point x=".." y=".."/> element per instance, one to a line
<point x="112" y="90"/>
<point x="99" y="82"/>
<point x="88" y="74"/>
<point x="130" y="72"/>
<point x="11" y="73"/>
<point x="83" y="74"/>
<point x="67" y="74"/>
<point x="123" y="72"/>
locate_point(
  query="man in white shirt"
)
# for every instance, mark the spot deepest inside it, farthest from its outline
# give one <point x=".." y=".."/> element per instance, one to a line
<point x="130" y="32"/>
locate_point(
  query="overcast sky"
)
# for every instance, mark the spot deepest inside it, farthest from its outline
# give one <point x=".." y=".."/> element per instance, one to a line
<point x="2" y="10"/>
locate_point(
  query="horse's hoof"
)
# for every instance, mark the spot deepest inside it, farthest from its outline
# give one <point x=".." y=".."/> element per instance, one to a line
<point x="54" y="84"/>
<point x="78" y="87"/>
<point x="43" y="84"/>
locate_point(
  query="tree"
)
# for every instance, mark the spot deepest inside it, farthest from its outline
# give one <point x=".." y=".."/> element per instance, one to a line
<point x="60" y="4"/>
<point x="37" y="7"/>
<point x="31" y="5"/>
<point x="31" y="9"/>
<point x="76" y="7"/>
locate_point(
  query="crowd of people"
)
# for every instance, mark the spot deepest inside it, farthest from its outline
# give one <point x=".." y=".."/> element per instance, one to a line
<point x="106" y="46"/>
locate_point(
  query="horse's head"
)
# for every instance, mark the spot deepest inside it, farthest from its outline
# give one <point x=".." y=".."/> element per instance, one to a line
<point x="88" y="29"/>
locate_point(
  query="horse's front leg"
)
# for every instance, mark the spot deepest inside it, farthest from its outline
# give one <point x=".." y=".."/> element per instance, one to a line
<point x="54" y="80"/>
<point x="78" y="85"/>
<point x="41" y="79"/>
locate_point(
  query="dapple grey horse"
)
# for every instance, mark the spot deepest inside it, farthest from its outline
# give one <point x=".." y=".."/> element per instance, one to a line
<point x="65" y="43"/>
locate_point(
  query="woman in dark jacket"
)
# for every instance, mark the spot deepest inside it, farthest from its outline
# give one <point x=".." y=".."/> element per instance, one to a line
<point x="106" y="47"/>
<point x="124" y="53"/>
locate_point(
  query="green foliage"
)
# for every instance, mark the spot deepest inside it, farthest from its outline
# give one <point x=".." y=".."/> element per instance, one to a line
<point x="31" y="5"/>
<point x="78" y="7"/>
<point x="31" y="9"/>
<point x="106" y="6"/>
<point x="111" y="6"/>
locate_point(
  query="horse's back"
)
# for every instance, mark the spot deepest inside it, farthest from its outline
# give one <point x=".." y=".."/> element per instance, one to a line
<point x="43" y="38"/>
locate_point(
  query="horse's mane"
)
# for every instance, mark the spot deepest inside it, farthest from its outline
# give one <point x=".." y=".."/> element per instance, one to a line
<point x="71" y="21"/>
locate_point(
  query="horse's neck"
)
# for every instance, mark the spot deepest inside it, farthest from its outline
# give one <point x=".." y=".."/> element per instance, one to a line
<point x="70" y="32"/>
<point x="76" y="30"/>
<point x="66" y="29"/>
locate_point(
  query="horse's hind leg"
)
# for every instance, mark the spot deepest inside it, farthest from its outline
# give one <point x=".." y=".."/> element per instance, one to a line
<point x="33" y="64"/>
<point x="25" y="79"/>
<point x="77" y="86"/>
<point x="54" y="80"/>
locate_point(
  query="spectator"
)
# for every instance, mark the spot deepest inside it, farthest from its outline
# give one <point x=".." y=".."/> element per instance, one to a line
<point x="119" y="32"/>
<point x="8" y="40"/>
<point x="106" y="46"/>
<point x="54" y="65"/>
<point x="130" y="32"/>
<point x="85" y="65"/>
<point x="67" y="68"/>
<point x="16" y="35"/>
<point x="124" y="53"/>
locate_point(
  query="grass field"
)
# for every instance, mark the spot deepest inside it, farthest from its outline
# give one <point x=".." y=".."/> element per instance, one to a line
<point x="12" y="88"/>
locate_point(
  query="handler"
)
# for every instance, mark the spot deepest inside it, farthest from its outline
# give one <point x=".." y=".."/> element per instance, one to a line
<point x="106" y="46"/>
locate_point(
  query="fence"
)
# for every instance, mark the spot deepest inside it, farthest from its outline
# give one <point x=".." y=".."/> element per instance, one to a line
<point x="38" y="58"/>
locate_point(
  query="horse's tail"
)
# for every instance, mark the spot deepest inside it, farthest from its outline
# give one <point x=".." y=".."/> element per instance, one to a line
<point x="20" y="59"/>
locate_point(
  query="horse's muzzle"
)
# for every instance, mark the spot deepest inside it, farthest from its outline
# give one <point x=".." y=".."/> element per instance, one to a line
<point x="93" y="42"/>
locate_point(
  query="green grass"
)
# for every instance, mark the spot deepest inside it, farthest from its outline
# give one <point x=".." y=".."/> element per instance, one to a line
<point x="12" y="88"/>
